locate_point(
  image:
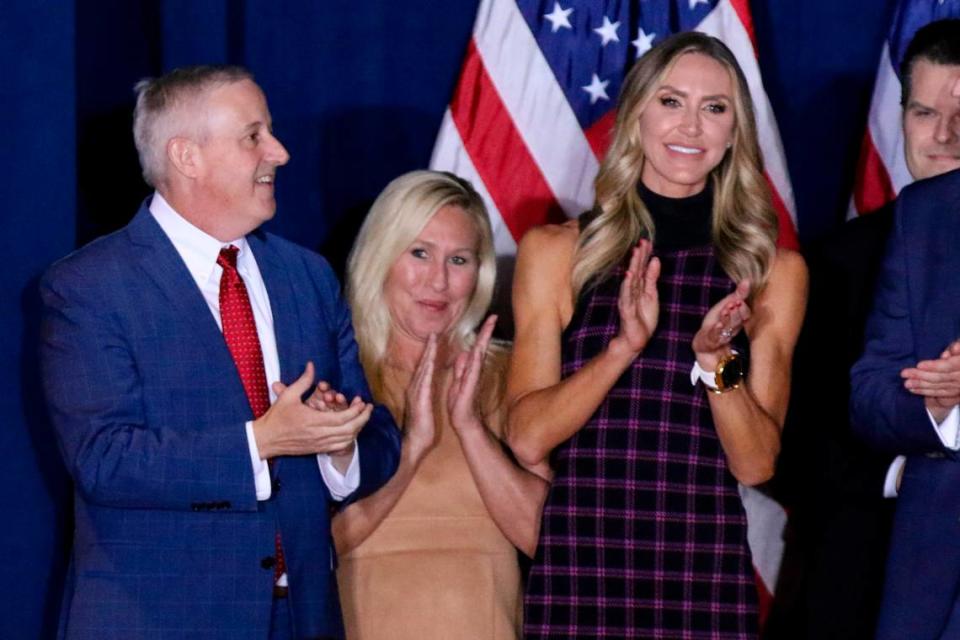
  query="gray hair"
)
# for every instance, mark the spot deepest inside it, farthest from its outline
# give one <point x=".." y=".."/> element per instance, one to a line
<point x="162" y="104"/>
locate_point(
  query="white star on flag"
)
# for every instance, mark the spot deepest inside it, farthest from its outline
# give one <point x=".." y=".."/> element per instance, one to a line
<point x="694" y="3"/>
<point x="597" y="89"/>
<point x="559" y="18"/>
<point x="608" y="31"/>
<point x="644" y="41"/>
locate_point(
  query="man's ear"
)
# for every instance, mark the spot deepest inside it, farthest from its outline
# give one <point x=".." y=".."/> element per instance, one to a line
<point x="184" y="156"/>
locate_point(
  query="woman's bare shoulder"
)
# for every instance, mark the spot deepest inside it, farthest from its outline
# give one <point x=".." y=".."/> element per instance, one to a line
<point x="788" y="262"/>
<point x="788" y="276"/>
<point x="541" y="280"/>
<point x="550" y="239"/>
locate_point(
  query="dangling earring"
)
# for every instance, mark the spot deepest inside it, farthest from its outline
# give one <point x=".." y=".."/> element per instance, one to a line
<point x="729" y="143"/>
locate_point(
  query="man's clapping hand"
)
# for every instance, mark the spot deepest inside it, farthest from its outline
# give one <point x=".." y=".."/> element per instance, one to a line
<point x="291" y="427"/>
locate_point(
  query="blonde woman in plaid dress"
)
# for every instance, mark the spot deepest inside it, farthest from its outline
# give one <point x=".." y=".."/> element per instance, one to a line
<point x="643" y="533"/>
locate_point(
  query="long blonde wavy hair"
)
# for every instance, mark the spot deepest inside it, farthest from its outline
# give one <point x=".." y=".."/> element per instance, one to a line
<point x="397" y="217"/>
<point x="744" y="223"/>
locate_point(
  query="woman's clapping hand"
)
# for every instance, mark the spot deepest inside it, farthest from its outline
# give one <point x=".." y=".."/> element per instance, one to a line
<point x="462" y="394"/>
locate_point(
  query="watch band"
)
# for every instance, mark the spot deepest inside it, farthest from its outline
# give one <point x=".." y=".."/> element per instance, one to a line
<point x="709" y="378"/>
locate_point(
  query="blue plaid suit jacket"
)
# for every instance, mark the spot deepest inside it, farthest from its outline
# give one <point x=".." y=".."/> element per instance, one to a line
<point x="170" y="540"/>
<point x="916" y="315"/>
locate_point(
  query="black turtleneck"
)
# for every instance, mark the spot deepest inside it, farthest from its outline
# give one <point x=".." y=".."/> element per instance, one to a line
<point x="680" y="223"/>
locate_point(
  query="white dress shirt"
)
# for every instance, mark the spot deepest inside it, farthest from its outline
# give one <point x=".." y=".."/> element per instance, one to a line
<point x="199" y="252"/>
<point x="947" y="430"/>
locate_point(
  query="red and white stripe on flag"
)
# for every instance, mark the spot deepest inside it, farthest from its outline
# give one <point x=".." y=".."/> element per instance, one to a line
<point x="881" y="169"/>
<point x="511" y="131"/>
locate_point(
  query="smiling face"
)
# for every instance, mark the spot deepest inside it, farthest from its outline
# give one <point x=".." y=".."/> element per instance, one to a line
<point x="687" y="126"/>
<point x="430" y="285"/>
<point x="931" y="120"/>
<point x="238" y="159"/>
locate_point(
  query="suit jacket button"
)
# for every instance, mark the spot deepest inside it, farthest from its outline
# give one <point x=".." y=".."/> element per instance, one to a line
<point x="267" y="562"/>
<point x="276" y="486"/>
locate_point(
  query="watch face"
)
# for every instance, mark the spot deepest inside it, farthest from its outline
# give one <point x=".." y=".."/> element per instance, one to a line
<point x="731" y="373"/>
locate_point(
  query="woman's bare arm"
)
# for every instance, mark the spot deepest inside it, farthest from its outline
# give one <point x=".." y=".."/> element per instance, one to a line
<point x="512" y="495"/>
<point x="749" y="419"/>
<point x="354" y="524"/>
<point x="545" y="410"/>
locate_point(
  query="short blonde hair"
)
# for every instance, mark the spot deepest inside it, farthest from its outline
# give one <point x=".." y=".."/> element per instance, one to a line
<point x="395" y="220"/>
<point x="744" y="226"/>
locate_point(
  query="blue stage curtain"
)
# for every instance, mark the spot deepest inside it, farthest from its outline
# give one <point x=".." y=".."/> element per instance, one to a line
<point x="38" y="204"/>
<point x="357" y="90"/>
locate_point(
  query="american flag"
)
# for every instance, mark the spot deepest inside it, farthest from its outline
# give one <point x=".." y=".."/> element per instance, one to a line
<point x="881" y="170"/>
<point x="533" y="110"/>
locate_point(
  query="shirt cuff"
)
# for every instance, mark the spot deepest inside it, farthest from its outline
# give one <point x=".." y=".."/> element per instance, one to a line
<point x="947" y="430"/>
<point x="890" y="487"/>
<point x="261" y="470"/>
<point x="340" y="485"/>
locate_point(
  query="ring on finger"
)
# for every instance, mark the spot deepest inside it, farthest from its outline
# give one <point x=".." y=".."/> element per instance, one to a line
<point x="726" y="334"/>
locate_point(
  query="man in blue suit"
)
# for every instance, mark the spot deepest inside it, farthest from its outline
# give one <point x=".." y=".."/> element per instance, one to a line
<point x="835" y="483"/>
<point x="158" y="344"/>
<point x="905" y="395"/>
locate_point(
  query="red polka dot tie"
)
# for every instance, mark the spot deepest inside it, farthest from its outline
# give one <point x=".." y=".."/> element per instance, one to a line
<point x="240" y="333"/>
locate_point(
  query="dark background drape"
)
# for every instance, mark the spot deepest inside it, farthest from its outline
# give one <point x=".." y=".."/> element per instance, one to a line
<point x="357" y="90"/>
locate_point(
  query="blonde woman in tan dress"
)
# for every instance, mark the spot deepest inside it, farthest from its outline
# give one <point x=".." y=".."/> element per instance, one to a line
<point x="433" y="553"/>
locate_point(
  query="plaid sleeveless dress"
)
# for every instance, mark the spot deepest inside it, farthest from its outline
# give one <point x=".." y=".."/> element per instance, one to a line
<point x="643" y="532"/>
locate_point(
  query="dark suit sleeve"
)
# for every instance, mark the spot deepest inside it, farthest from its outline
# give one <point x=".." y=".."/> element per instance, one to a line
<point x="379" y="441"/>
<point x="881" y="409"/>
<point x="97" y="405"/>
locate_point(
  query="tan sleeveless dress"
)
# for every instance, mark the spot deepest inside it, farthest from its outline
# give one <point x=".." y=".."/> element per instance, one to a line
<point x="437" y="566"/>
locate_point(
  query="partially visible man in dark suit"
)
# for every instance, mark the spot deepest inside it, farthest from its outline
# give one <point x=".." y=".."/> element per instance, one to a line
<point x="905" y="395"/>
<point x="158" y="344"/>
<point x="839" y="488"/>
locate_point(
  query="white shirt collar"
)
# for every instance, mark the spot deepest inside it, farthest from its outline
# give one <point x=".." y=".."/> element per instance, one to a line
<point x="197" y="249"/>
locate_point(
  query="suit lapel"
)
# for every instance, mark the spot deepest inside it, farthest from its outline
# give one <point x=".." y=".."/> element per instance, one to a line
<point x="161" y="263"/>
<point x="952" y="265"/>
<point x="283" y="305"/>
<point x="937" y="267"/>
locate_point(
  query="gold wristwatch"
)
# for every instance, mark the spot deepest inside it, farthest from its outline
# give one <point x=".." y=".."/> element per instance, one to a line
<point x="729" y="372"/>
<point x="728" y="375"/>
